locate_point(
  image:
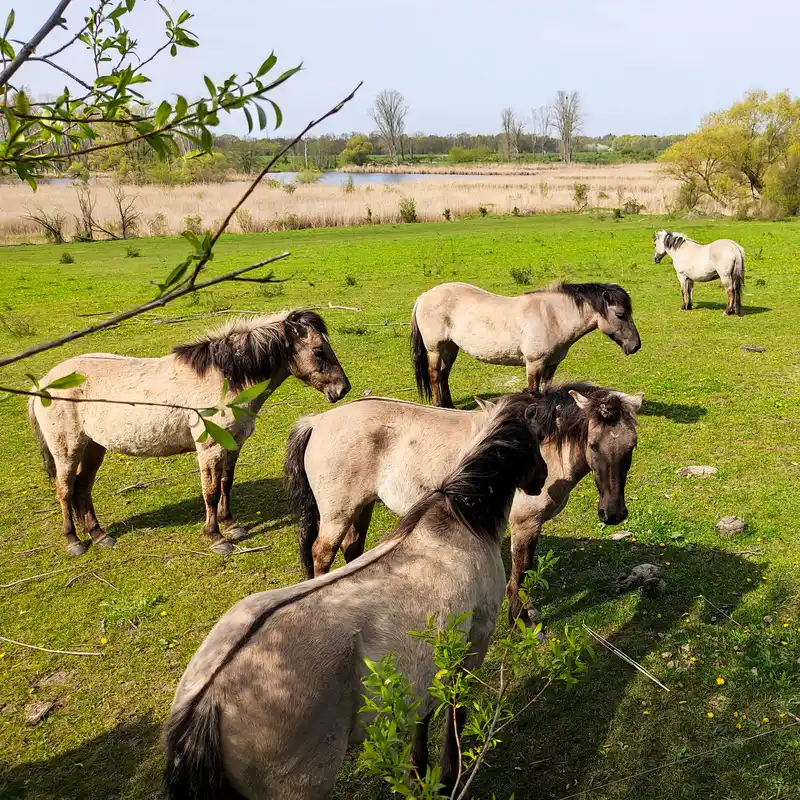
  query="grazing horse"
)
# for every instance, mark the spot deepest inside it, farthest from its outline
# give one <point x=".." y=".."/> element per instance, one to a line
<point x="339" y="462"/>
<point x="270" y="701"/>
<point x="535" y="329"/>
<point x="723" y="259"/>
<point x="75" y="433"/>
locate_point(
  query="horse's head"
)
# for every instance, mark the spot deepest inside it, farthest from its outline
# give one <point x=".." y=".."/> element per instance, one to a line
<point x="660" y="243"/>
<point x="616" y="320"/>
<point x="610" y="443"/>
<point x="311" y="357"/>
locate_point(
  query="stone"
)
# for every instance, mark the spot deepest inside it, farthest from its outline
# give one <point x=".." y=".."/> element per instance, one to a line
<point x="53" y="679"/>
<point x="648" y="576"/>
<point x="36" y="712"/>
<point x="754" y="348"/>
<point x="619" y="536"/>
<point x="696" y="472"/>
<point x="730" y="525"/>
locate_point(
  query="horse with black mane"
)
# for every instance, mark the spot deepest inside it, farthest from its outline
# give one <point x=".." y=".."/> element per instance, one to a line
<point x="77" y="429"/>
<point x="534" y="330"/>
<point x="270" y="701"/>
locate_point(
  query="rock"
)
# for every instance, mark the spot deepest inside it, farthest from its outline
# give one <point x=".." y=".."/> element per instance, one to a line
<point x="36" y="712"/>
<point x="666" y="656"/>
<point x="768" y="620"/>
<point x="754" y="348"/>
<point x="730" y="525"/>
<point x="696" y="472"/>
<point x="670" y="665"/>
<point x="53" y="679"/>
<point x="648" y="576"/>
<point x="619" y="536"/>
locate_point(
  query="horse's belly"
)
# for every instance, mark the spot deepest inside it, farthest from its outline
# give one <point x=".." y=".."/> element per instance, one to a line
<point x="137" y="432"/>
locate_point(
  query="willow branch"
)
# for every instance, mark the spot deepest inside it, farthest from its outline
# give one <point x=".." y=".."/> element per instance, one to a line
<point x="103" y="4"/>
<point x="30" y="48"/>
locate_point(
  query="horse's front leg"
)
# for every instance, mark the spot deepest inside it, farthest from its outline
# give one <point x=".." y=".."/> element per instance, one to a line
<point x="419" y="750"/>
<point x="684" y="292"/>
<point x="524" y="538"/>
<point x="689" y="294"/>
<point x="211" y="469"/>
<point x="533" y="372"/>
<point x="225" y="516"/>
<point x="451" y="759"/>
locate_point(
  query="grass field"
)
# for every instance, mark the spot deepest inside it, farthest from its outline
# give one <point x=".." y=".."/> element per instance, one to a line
<point x="731" y="611"/>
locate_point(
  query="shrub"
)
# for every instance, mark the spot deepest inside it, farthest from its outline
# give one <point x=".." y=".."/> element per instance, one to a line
<point x="307" y="176"/>
<point x="544" y="189"/>
<point x="350" y="280"/>
<point x="483" y="210"/>
<point x="603" y="196"/>
<point x="515" y="212"/>
<point x="580" y="195"/>
<point x="53" y="224"/>
<point x="131" y="252"/>
<point x="522" y="275"/>
<point x="688" y="196"/>
<point x="408" y="209"/>
<point x="348" y="187"/>
<point x="446" y="214"/>
<point x="193" y="223"/>
<point x="157" y="225"/>
<point x="66" y="258"/>
<point x="357" y="151"/>
<point x="469" y="155"/>
<point x="17" y="325"/>
<point x="369" y="216"/>
<point x="616" y="213"/>
<point x="632" y="206"/>
<point x="79" y="172"/>
<point x="783" y="186"/>
<point x="289" y="188"/>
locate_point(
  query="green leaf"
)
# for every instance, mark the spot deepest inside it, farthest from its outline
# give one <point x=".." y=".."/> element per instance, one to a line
<point x="206" y="140"/>
<point x="9" y="22"/>
<point x="262" y="117"/>
<point x="203" y="436"/>
<point x="162" y="115"/>
<point x="251" y="393"/>
<point x="267" y="65"/>
<point x="32" y="380"/>
<point x="249" y="120"/>
<point x="46" y="401"/>
<point x="212" y="89"/>
<point x="278" y="113"/>
<point x="181" y="107"/>
<point x="67" y="382"/>
<point x="192" y="238"/>
<point x="184" y="17"/>
<point x="173" y="51"/>
<point x="239" y="412"/>
<point x="226" y="387"/>
<point x="175" y="275"/>
<point x="208" y="412"/>
<point x="220" y="435"/>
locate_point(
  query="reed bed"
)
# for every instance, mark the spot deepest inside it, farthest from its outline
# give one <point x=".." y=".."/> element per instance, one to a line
<point x="170" y="210"/>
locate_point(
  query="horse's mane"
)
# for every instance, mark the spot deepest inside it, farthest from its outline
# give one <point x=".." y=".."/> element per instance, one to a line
<point x="561" y="420"/>
<point x="477" y="491"/>
<point x="247" y="350"/>
<point x="597" y="295"/>
<point x="673" y="240"/>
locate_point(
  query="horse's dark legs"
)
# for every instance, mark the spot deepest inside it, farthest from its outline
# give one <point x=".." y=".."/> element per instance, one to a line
<point x="82" y="495"/>
<point x="548" y="372"/>
<point x="684" y="294"/>
<point x="64" y="483"/>
<point x="524" y="538"/>
<point x="419" y="750"/>
<point x="353" y="544"/>
<point x="451" y="749"/>
<point x="689" y="293"/>
<point x="211" y="479"/>
<point x="448" y="352"/>
<point x="225" y="516"/>
<point x="435" y="375"/>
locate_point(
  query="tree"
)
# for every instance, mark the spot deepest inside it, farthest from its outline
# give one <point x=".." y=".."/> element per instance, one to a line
<point x="389" y="114"/>
<point x="730" y="156"/>
<point x="566" y="110"/>
<point x="542" y="122"/>
<point x="511" y="131"/>
<point x="357" y="151"/>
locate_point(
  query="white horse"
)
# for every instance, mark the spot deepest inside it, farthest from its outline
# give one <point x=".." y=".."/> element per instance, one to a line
<point x="723" y="259"/>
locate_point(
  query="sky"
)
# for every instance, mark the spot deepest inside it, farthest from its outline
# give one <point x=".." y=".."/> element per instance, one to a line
<point x="640" y="66"/>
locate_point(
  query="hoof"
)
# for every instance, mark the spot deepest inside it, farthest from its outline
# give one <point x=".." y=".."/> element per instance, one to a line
<point x="77" y="548"/>
<point x="237" y="534"/>
<point x="105" y="541"/>
<point x="222" y="548"/>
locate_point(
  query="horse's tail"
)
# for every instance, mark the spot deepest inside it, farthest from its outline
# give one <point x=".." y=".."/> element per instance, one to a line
<point x="194" y="768"/>
<point x="419" y="355"/>
<point x="47" y="456"/>
<point x="737" y="274"/>
<point x="301" y="496"/>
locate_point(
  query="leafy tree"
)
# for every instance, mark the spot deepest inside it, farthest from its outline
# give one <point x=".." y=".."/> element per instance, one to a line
<point x="357" y="151"/>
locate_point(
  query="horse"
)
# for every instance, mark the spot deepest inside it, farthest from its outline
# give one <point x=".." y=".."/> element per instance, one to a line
<point x="535" y="329"/>
<point x="75" y="431"/>
<point x="723" y="259"/>
<point x="269" y="703"/>
<point x="339" y="462"/>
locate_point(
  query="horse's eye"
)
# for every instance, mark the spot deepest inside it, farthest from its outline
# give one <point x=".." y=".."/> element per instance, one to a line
<point x="593" y="446"/>
<point x="620" y="314"/>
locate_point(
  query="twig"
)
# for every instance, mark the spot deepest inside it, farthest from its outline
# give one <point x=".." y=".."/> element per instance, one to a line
<point x="31" y="550"/>
<point x="143" y="484"/>
<point x="47" y="649"/>
<point x="343" y="308"/>
<point x="240" y="550"/>
<point x="103" y="580"/>
<point x="717" y="608"/>
<point x="30" y="48"/>
<point x="34" y="577"/>
<point x="617" y="652"/>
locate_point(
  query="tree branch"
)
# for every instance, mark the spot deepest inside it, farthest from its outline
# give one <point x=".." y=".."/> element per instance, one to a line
<point x="30" y="48"/>
<point x="103" y="4"/>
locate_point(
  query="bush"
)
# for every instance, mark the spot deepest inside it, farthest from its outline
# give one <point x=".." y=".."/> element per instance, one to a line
<point x="688" y="196"/>
<point x="79" y="172"/>
<point x="469" y="155"/>
<point x="580" y="196"/>
<point x="307" y="176"/>
<point x="515" y="212"/>
<point x="350" y="280"/>
<point x="193" y="223"/>
<point x="53" y="224"/>
<point x="348" y="187"/>
<point x="632" y="206"/>
<point x="446" y="214"/>
<point x="616" y="213"/>
<point x="157" y="225"/>
<point x="356" y="152"/>
<point x="544" y="189"/>
<point x="783" y="186"/>
<point x="131" y="252"/>
<point x="483" y="211"/>
<point x="522" y="275"/>
<point x="289" y="188"/>
<point x="408" y="209"/>
<point x="369" y="216"/>
<point x="66" y="258"/>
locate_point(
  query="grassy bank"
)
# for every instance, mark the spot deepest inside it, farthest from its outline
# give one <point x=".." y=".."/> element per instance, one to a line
<point x="731" y="611"/>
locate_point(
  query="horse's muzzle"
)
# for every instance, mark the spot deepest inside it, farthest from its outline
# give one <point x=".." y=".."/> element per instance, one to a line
<point x="612" y="516"/>
<point x="658" y="258"/>
<point x="335" y="393"/>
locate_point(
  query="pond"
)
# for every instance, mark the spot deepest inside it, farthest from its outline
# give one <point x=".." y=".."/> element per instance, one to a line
<point x="373" y="178"/>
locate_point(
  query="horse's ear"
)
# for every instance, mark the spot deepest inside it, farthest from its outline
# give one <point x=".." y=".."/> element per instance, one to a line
<point x="581" y="401"/>
<point x="484" y="405"/>
<point x="632" y="401"/>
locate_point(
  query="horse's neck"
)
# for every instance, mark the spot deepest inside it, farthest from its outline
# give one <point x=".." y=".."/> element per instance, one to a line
<point x="574" y="321"/>
<point x="567" y="463"/>
<point x="277" y="377"/>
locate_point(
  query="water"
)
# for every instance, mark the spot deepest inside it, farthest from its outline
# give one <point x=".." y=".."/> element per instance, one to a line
<point x="375" y="178"/>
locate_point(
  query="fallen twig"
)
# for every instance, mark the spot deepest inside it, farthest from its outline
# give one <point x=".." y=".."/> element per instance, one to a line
<point x="143" y="484"/>
<point x="47" y="649"/>
<point x="617" y="652"/>
<point x="241" y="550"/>
<point x="103" y="580"/>
<point x="34" y="577"/>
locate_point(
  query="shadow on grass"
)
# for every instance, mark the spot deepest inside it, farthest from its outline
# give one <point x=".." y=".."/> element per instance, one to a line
<point x="746" y="310"/>
<point x="104" y="767"/>
<point x="247" y="498"/>
<point x="677" y="412"/>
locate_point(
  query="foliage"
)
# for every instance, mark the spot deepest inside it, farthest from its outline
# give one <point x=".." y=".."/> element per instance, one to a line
<point x="729" y="157"/>
<point x="580" y="195"/>
<point x="632" y="206"/>
<point x="447" y="215"/>
<point x="470" y="155"/>
<point x="193" y="223"/>
<point x="521" y="275"/>
<point x="53" y="223"/>
<point x="357" y="151"/>
<point x="307" y="176"/>
<point x="66" y="258"/>
<point x="783" y="184"/>
<point x="408" y="209"/>
<point x="389" y="115"/>
<point x="348" y="187"/>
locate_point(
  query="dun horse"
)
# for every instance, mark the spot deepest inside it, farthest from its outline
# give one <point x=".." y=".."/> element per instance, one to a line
<point x="534" y="330"/>
<point x="723" y="259"/>
<point x="270" y="701"/>
<point x="340" y="462"/>
<point x="74" y="436"/>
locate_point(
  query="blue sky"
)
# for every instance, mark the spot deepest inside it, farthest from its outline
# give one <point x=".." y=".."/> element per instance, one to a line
<point x="641" y="66"/>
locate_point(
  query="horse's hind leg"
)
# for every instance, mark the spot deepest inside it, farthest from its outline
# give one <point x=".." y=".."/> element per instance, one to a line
<point x="353" y="544"/>
<point x="419" y="752"/>
<point x="451" y="750"/>
<point x="689" y="294"/>
<point x="67" y="464"/>
<point x="729" y="292"/>
<point x="448" y="352"/>
<point x="548" y="372"/>
<point x="684" y="292"/>
<point x="434" y="373"/>
<point x="225" y="516"/>
<point x="82" y="494"/>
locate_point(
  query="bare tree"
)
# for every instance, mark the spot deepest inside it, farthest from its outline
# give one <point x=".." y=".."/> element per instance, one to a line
<point x="567" y="121"/>
<point x="512" y="129"/>
<point x="126" y="208"/>
<point x="542" y="123"/>
<point x="389" y="114"/>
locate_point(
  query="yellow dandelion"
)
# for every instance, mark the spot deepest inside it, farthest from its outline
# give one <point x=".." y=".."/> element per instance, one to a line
<point x="634" y="539"/>
<point x="667" y="563"/>
<point x="781" y="716"/>
<point x="735" y="713"/>
<point x="765" y="719"/>
<point x="163" y="613"/>
<point x="738" y="726"/>
<point x="710" y="714"/>
<point x="646" y="712"/>
<point x="661" y="544"/>
<point x="785" y="624"/>
<point x="749" y="580"/>
<point x="720" y="680"/>
<point x="744" y="716"/>
<point x="104" y="640"/>
<point x="759" y="539"/>
<point x="693" y="658"/>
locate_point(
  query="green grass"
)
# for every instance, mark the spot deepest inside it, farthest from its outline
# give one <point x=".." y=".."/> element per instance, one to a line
<point x="707" y="402"/>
